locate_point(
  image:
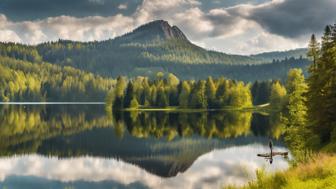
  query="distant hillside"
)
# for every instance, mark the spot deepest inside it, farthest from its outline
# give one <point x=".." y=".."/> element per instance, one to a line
<point x="156" y="47"/>
<point x="281" y="55"/>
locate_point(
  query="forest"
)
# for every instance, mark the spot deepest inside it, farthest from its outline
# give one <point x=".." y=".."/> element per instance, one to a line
<point x="309" y="119"/>
<point x="167" y="91"/>
<point x="21" y="80"/>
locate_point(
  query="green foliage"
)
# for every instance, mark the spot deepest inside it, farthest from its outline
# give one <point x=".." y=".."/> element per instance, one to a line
<point x="134" y="104"/>
<point x="318" y="173"/>
<point x="296" y="115"/>
<point x="261" y="92"/>
<point x="26" y="81"/>
<point x="198" y="98"/>
<point x="322" y="84"/>
<point x="184" y="95"/>
<point x="278" y="95"/>
<point x="211" y="92"/>
<point x="170" y="91"/>
<point x="239" y="95"/>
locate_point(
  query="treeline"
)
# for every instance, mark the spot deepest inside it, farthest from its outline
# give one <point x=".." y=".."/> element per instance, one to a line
<point x="212" y="93"/>
<point x="178" y="57"/>
<point x="113" y="58"/>
<point x="310" y="112"/>
<point x="25" y="81"/>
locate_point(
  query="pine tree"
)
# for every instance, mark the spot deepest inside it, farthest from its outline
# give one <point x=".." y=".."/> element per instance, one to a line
<point x="119" y="94"/>
<point x="313" y="50"/>
<point x="322" y="84"/>
<point x="198" y="97"/>
<point x="184" y="95"/>
<point x="130" y="94"/>
<point x="211" y="92"/>
<point x="162" y="99"/>
<point x="222" y="94"/>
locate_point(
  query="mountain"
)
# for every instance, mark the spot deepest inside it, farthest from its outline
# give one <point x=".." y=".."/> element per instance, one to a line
<point x="158" y="29"/>
<point x="156" y="47"/>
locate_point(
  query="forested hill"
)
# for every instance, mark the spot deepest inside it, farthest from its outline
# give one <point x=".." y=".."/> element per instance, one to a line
<point x="282" y="55"/>
<point x="151" y="48"/>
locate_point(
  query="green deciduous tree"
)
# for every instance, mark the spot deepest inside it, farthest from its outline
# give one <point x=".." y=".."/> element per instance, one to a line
<point x="278" y="95"/>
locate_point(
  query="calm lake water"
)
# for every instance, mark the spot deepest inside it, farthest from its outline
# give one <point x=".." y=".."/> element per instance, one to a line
<point x="82" y="146"/>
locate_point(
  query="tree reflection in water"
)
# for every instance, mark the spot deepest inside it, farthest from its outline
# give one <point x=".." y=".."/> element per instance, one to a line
<point x="161" y="143"/>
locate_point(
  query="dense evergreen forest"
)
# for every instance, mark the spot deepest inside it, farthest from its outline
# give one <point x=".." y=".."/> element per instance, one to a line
<point x="168" y="90"/>
<point x="310" y="113"/>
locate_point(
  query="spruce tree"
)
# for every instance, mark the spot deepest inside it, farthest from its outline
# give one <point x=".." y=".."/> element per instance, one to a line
<point x="211" y="92"/>
<point x="313" y="50"/>
<point x="184" y="95"/>
<point x="130" y="94"/>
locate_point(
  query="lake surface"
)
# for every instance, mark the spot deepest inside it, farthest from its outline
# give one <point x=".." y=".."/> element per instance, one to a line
<point x="82" y="146"/>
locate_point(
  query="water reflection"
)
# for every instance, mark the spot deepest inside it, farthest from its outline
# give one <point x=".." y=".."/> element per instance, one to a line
<point x="212" y="170"/>
<point x="80" y="146"/>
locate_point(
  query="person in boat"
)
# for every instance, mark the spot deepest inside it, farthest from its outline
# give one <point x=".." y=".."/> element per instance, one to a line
<point x="270" y="144"/>
<point x="269" y="156"/>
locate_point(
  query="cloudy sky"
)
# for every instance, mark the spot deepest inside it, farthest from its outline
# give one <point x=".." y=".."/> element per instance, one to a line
<point x="232" y="26"/>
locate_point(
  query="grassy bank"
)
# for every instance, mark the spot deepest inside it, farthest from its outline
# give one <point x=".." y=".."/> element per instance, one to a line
<point x="319" y="172"/>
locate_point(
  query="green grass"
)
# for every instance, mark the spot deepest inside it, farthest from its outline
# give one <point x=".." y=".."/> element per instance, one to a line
<point x="318" y="173"/>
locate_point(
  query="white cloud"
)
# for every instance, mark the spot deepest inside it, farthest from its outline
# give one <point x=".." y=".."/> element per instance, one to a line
<point x="244" y="28"/>
<point x="193" y="22"/>
<point x="66" y="27"/>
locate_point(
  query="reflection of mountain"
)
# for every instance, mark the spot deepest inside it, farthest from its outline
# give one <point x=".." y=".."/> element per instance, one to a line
<point x="158" y="156"/>
<point x="162" y="143"/>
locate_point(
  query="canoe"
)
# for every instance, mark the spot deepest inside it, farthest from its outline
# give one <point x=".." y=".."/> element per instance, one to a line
<point x="273" y="154"/>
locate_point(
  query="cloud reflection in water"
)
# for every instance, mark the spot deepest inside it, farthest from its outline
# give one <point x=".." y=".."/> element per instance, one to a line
<point x="235" y="165"/>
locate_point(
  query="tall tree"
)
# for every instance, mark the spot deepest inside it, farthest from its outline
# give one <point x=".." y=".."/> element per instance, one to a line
<point x="297" y="110"/>
<point x="278" y="94"/>
<point x="313" y="50"/>
<point x="184" y="94"/>
<point x="130" y="94"/>
<point x="322" y="85"/>
<point x="119" y="93"/>
<point x="162" y="99"/>
<point x="211" y="92"/>
<point x="198" y="97"/>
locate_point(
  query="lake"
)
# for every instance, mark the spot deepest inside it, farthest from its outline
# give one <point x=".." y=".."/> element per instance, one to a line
<point x="82" y="146"/>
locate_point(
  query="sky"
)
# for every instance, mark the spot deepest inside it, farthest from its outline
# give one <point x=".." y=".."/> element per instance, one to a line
<point x="231" y="26"/>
